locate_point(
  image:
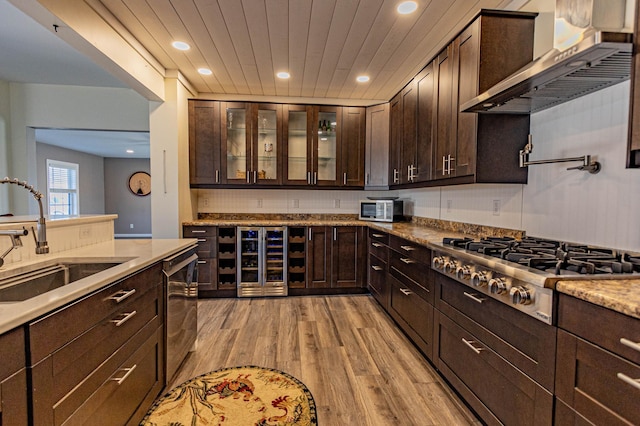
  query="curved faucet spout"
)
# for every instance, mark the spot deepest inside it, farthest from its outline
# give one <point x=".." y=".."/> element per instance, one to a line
<point x="42" y="246"/>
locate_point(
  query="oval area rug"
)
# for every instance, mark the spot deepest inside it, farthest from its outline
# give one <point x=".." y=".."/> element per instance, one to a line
<point x="239" y="396"/>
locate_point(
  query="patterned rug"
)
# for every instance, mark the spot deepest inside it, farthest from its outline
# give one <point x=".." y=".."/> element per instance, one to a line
<point x="236" y="396"/>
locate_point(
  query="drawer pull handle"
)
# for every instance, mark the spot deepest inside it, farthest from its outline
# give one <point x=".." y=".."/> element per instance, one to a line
<point x="469" y="343"/>
<point x="407" y="248"/>
<point x="127" y="374"/>
<point x="201" y="262"/>
<point x="407" y="261"/>
<point x="121" y="295"/>
<point x="628" y="380"/>
<point x="202" y="240"/>
<point x="376" y="267"/>
<point x="633" y="345"/>
<point x="406" y="291"/>
<point x="376" y="244"/>
<point x="198" y="231"/>
<point x="473" y="297"/>
<point x="377" y="235"/>
<point x="126" y="318"/>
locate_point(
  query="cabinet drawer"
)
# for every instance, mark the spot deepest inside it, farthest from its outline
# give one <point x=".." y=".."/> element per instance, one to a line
<point x="198" y="231"/>
<point x="378" y="236"/>
<point x="377" y="276"/>
<point x="206" y="269"/>
<point x="13" y="399"/>
<point x="531" y="343"/>
<point x="410" y="249"/>
<point x="378" y="249"/>
<point x="578" y="316"/>
<point x="76" y="360"/>
<point x="206" y="247"/>
<point x="124" y="397"/>
<point x="12" y="352"/>
<point x="415" y="312"/>
<point x="63" y="325"/>
<point x="408" y="270"/>
<point x="590" y="382"/>
<point x="487" y="381"/>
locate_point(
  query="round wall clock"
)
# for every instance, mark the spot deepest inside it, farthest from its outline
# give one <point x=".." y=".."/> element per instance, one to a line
<point x="140" y="183"/>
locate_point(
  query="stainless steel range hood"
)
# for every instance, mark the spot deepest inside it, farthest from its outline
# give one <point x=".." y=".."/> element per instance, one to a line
<point x="598" y="60"/>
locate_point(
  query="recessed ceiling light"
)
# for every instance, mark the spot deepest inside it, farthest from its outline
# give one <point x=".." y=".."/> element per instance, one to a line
<point x="283" y="74"/>
<point x="205" y="71"/>
<point x="362" y="78"/>
<point x="129" y="151"/>
<point x="407" y="7"/>
<point x="181" y="45"/>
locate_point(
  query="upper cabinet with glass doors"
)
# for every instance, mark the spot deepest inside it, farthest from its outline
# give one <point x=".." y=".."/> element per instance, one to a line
<point x="275" y="145"/>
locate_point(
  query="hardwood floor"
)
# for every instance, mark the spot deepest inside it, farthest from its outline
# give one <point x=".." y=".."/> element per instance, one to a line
<point x="358" y="365"/>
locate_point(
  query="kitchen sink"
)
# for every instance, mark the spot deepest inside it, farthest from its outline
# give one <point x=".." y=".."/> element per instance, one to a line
<point x="42" y="278"/>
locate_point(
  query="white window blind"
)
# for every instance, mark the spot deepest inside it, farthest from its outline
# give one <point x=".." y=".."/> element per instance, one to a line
<point x="62" y="188"/>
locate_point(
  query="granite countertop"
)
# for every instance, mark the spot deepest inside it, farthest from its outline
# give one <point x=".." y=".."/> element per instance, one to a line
<point x="618" y="295"/>
<point x="134" y="254"/>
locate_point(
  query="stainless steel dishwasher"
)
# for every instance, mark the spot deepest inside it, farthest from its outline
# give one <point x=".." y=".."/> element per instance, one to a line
<point x="181" y="307"/>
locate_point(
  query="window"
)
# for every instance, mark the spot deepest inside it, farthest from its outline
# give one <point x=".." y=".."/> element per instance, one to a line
<point x="62" y="188"/>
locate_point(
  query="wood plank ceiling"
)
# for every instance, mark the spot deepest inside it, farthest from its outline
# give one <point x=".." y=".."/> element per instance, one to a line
<point x="323" y="44"/>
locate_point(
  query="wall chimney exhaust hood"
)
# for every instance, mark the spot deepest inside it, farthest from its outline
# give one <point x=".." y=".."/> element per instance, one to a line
<point x="591" y="51"/>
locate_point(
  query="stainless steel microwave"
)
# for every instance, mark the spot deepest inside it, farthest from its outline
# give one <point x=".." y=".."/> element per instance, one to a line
<point x="381" y="210"/>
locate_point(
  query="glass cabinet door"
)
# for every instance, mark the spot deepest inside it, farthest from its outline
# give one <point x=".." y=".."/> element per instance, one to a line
<point x="235" y="142"/>
<point x="267" y="145"/>
<point x="328" y="133"/>
<point x="297" y="161"/>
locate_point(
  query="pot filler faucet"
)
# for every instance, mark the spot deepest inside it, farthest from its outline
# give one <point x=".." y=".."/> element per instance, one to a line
<point x="39" y="235"/>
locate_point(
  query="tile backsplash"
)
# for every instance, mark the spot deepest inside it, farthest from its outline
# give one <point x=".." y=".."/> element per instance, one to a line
<point x="557" y="203"/>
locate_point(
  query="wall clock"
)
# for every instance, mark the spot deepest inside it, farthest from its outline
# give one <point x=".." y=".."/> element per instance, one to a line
<point x="140" y="183"/>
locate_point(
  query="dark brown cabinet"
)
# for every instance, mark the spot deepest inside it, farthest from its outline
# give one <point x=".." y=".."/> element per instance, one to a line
<point x="377" y="147"/>
<point x="13" y="378"/>
<point x="432" y="142"/>
<point x="597" y="367"/>
<point x="352" y="147"/>
<point x="110" y="364"/>
<point x="378" y="266"/>
<point x="633" y="143"/>
<point x="297" y="259"/>
<point x="335" y="257"/>
<point x="204" y="142"/>
<point x="207" y="256"/>
<point x="493" y="356"/>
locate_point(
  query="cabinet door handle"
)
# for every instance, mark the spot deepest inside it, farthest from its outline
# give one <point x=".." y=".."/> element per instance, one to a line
<point x="396" y="176"/>
<point x="127" y="374"/>
<point x="126" y="318"/>
<point x="335" y="234"/>
<point x="628" y="380"/>
<point x="473" y="297"/>
<point x="255" y="176"/>
<point x="344" y="179"/>
<point x="633" y="345"/>
<point x="368" y="178"/>
<point x="198" y="231"/>
<point x="315" y="178"/>
<point x="309" y="230"/>
<point x="202" y="240"/>
<point x="308" y="178"/>
<point x="376" y="267"/>
<point x="202" y="262"/>
<point x="217" y="176"/>
<point x="469" y="343"/>
<point x="121" y="295"/>
<point x="406" y="291"/>
<point x="407" y="260"/>
<point x="376" y="244"/>
<point x="377" y="235"/>
<point x="248" y="173"/>
<point x="407" y="248"/>
<point x="444" y="165"/>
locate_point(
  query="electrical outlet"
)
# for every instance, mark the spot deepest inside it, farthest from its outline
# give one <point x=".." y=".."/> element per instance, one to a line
<point x="449" y="206"/>
<point x="336" y="203"/>
<point x="205" y="202"/>
<point x="131" y="226"/>
<point x="496" y="207"/>
<point x="296" y="203"/>
<point x="259" y="203"/>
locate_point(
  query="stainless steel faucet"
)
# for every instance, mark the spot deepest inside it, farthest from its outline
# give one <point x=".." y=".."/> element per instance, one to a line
<point x="15" y="241"/>
<point x="39" y="235"/>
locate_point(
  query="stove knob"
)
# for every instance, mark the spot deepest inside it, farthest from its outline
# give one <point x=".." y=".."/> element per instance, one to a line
<point x="498" y="285"/>
<point x="520" y="295"/>
<point x="438" y="262"/>
<point x="463" y="272"/>
<point x="450" y="267"/>
<point x="479" y="278"/>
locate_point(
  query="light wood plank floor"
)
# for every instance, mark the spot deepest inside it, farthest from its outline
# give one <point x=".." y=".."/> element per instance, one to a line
<point x="358" y="365"/>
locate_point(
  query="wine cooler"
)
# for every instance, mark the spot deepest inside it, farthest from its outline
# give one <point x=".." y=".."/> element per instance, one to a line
<point x="262" y="261"/>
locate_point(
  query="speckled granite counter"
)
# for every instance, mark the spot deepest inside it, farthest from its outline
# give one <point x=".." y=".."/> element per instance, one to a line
<point x="618" y="295"/>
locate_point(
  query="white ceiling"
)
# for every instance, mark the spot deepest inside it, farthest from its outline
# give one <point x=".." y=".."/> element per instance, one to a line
<point x="324" y="44"/>
<point x="112" y="144"/>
